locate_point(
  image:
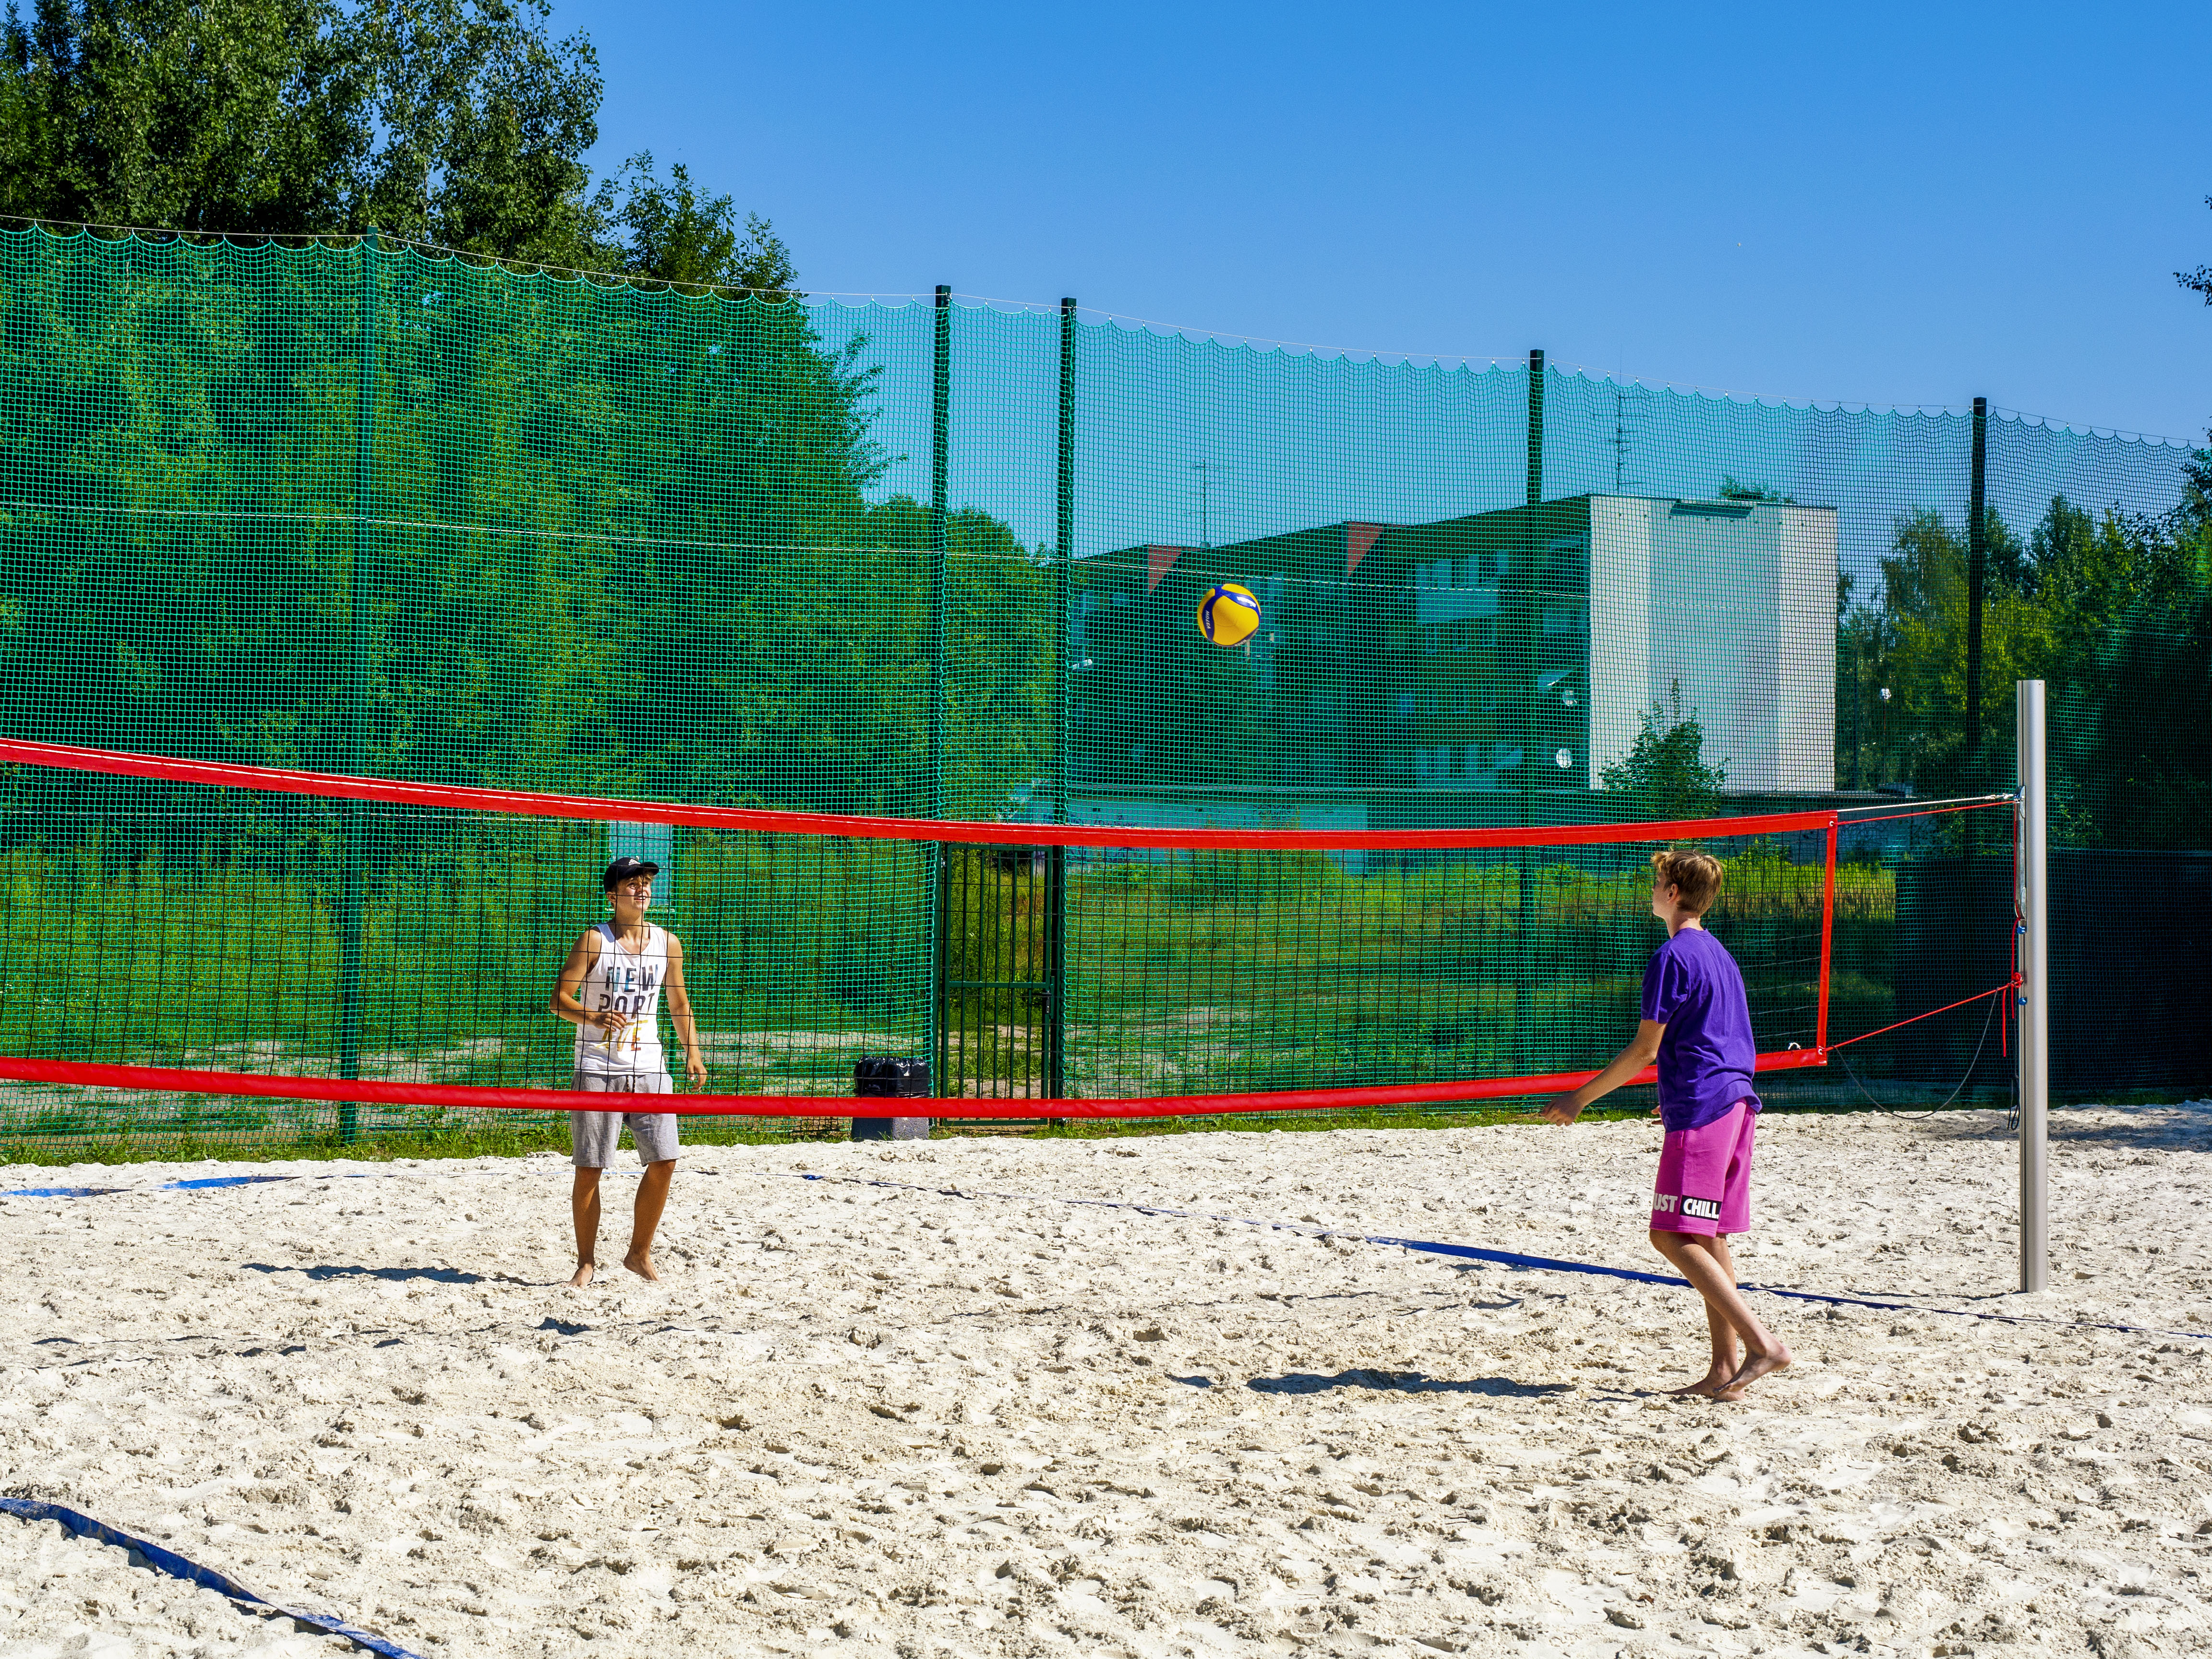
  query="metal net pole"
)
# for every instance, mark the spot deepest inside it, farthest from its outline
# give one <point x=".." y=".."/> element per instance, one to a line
<point x="2034" y="1002"/>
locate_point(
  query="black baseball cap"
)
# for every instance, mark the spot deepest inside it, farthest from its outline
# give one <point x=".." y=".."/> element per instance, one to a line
<point x="623" y="868"/>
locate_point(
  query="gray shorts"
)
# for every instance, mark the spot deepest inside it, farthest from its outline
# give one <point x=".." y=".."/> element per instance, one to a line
<point x="594" y="1135"/>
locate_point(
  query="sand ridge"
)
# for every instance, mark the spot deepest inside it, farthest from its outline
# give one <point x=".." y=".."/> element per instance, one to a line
<point x="886" y="1419"/>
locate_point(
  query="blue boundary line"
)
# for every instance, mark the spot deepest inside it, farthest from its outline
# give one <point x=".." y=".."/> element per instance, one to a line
<point x="197" y="1184"/>
<point x="167" y="1561"/>
<point x="1512" y="1258"/>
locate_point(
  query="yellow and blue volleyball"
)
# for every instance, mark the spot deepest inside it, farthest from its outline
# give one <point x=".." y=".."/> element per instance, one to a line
<point x="1227" y="614"/>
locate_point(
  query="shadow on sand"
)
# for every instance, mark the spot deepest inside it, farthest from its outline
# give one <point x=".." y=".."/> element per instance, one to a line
<point x="391" y="1275"/>
<point x="1497" y="1388"/>
<point x="2181" y="1126"/>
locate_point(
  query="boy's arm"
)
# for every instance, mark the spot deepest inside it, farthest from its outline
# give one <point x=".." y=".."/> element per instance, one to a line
<point x="1642" y="1048"/>
<point x="582" y="957"/>
<point x="679" y="1010"/>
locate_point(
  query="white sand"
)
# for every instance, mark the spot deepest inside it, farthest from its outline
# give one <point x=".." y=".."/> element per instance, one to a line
<point x="886" y="1420"/>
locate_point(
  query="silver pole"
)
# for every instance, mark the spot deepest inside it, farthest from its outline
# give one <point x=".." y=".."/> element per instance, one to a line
<point x="2034" y="997"/>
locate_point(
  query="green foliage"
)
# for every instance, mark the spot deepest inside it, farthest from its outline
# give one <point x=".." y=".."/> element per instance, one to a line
<point x="1665" y="772"/>
<point x="616" y="584"/>
<point x="461" y="123"/>
<point x="673" y="233"/>
<point x="2199" y="280"/>
<point x="1732" y="489"/>
<point x="456" y="121"/>
<point x="2115" y="612"/>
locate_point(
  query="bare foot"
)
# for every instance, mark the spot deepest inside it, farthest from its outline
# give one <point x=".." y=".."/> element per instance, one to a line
<point x="1709" y="1385"/>
<point x="582" y="1275"/>
<point x="640" y="1263"/>
<point x="1757" y="1366"/>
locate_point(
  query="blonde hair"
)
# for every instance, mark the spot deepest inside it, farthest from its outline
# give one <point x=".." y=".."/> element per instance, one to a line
<point x="1695" y="878"/>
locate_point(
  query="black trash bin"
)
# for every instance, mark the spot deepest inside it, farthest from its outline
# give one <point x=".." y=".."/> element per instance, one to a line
<point x="877" y="1077"/>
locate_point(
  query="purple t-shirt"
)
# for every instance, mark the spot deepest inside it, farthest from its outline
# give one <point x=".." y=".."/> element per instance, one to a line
<point x="1694" y="988"/>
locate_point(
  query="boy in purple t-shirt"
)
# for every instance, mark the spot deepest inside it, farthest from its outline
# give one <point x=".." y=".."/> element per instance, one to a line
<point x="1697" y="1025"/>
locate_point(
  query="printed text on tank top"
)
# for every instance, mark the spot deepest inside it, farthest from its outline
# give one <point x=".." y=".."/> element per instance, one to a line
<point x="626" y="981"/>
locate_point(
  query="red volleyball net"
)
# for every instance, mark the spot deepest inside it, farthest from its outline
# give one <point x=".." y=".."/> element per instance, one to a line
<point x="200" y="949"/>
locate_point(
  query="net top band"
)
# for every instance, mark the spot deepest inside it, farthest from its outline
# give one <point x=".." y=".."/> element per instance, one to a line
<point x="969" y="832"/>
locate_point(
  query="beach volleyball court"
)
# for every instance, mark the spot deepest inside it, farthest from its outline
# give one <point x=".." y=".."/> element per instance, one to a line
<point x="927" y="1404"/>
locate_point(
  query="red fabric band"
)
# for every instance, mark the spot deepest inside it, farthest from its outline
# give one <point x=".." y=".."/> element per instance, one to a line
<point x="174" y="1081"/>
<point x="67" y="757"/>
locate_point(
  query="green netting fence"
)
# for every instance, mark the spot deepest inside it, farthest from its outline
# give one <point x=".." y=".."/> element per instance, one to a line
<point x="375" y="510"/>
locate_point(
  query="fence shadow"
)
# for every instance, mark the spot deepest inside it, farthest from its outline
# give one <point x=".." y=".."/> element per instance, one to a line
<point x="2181" y="1126"/>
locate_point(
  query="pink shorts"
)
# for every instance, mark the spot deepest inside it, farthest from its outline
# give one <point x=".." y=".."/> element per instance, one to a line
<point x="1704" y="1177"/>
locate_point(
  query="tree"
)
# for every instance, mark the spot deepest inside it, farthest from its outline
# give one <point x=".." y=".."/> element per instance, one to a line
<point x="2197" y="506"/>
<point x="480" y="125"/>
<point x="692" y="466"/>
<point x="1732" y="489"/>
<point x="1665" y="772"/>
<point x="251" y="116"/>
<point x="1901" y="674"/>
<point x="673" y="233"/>
<point x="2114" y="611"/>
<point x="2199" y="280"/>
<point x="458" y="122"/>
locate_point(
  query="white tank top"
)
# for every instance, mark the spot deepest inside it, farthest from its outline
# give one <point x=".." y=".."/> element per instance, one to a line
<point x="625" y="983"/>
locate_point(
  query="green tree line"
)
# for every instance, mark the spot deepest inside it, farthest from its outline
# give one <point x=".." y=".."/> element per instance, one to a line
<point x="461" y="123"/>
<point x="541" y="533"/>
<point x="2113" y="611"/>
<point x="279" y="498"/>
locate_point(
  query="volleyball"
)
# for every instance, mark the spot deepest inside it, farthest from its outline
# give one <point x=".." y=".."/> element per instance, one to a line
<point x="1227" y="614"/>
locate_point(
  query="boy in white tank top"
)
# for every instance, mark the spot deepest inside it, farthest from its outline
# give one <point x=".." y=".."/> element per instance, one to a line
<point x="610" y="990"/>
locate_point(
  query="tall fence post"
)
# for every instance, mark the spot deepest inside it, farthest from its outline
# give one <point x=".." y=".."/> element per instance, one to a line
<point x="2034" y="1031"/>
<point x="1977" y="573"/>
<point x="1063" y="586"/>
<point x="1536" y="428"/>
<point x="357" y="563"/>
<point x="1531" y="614"/>
<point x="940" y="428"/>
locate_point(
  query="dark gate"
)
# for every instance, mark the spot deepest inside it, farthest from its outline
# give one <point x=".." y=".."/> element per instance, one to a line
<point x="996" y="1035"/>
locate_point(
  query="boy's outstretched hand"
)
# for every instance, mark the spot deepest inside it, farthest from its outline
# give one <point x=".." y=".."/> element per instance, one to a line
<point x="1642" y="1048"/>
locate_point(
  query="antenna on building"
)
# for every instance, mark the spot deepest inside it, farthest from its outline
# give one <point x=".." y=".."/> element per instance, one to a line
<point x="1205" y="503"/>
<point x="1627" y="407"/>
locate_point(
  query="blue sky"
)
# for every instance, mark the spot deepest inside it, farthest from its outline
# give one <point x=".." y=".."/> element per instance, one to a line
<point x="1908" y="205"/>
